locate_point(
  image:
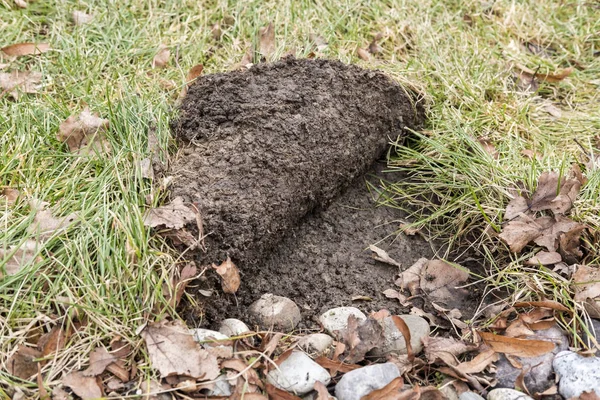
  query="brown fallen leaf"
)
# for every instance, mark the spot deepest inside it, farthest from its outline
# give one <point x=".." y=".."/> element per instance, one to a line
<point x="25" y="49"/>
<point x="9" y="195"/>
<point x="394" y="294"/>
<point x="403" y="329"/>
<point x="360" y="337"/>
<point x="544" y="258"/>
<point x="516" y="347"/>
<point x="586" y="283"/>
<point x="478" y="363"/>
<point x="411" y="278"/>
<point x="179" y="284"/>
<point x="17" y="82"/>
<point x="21" y="3"/>
<point x="544" y="77"/>
<point x="382" y="256"/>
<point x="161" y="59"/>
<point x="440" y="280"/>
<point x="446" y="349"/>
<point x="374" y="46"/>
<point x="83" y="386"/>
<point x="192" y="75"/>
<point x="279" y="394"/>
<point x="388" y="392"/>
<point x="488" y="147"/>
<point x="249" y="374"/>
<point x="45" y="225"/>
<point x="516" y="206"/>
<point x="554" y="192"/>
<point x="23" y="363"/>
<point x="363" y="54"/>
<point x="53" y="341"/>
<point x="266" y="40"/>
<point x="81" y="18"/>
<point x="174" y="215"/>
<point x="230" y="276"/>
<point x="568" y="243"/>
<point x="553" y="305"/>
<point x="173" y="351"/>
<point x="335" y="366"/>
<point x="322" y="393"/>
<point x="84" y="133"/>
<point x="522" y="230"/>
<point x="100" y="358"/>
<point x="18" y="257"/>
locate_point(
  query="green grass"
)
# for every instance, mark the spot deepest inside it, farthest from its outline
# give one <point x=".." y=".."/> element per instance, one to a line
<point x="89" y="273"/>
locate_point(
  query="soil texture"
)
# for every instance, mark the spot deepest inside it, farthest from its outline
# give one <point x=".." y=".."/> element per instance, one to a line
<point x="272" y="144"/>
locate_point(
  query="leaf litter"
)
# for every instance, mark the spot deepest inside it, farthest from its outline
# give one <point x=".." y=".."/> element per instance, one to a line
<point x="84" y="133"/>
<point x="17" y="82"/>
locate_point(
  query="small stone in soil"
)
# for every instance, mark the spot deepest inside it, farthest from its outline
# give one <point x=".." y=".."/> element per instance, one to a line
<point x="394" y="340"/>
<point x="336" y="319"/>
<point x="316" y="343"/>
<point x="507" y="394"/>
<point x="207" y="335"/>
<point x="233" y="327"/>
<point x="539" y="376"/>
<point x="577" y="374"/>
<point x="275" y="312"/>
<point x="360" y="382"/>
<point x="298" y="374"/>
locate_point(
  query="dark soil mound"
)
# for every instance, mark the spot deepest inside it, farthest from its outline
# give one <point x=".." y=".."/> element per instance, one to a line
<point x="324" y="262"/>
<point x="270" y="145"/>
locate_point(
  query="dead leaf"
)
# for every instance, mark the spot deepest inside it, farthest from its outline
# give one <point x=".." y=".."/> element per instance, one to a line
<point x="516" y="347"/>
<point x="530" y="154"/>
<point x="522" y="230"/>
<point x="394" y="294"/>
<point x="544" y="258"/>
<point x="173" y="351"/>
<point x="373" y="46"/>
<point x="489" y="147"/>
<point x="568" y="243"/>
<point x="100" y="358"/>
<point x="266" y="38"/>
<point x="81" y="18"/>
<point x="322" y="393"/>
<point x="552" y="110"/>
<point x="411" y="278"/>
<point x="555" y="193"/>
<point x="17" y="82"/>
<point x="53" y="341"/>
<point x="278" y="394"/>
<point x="45" y="225"/>
<point x="192" y="75"/>
<point x="518" y="328"/>
<point x="382" y="256"/>
<point x="187" y="273"/>
<point x="440" y="279"/>
<point x="21" y="3"/>
<point x="446" y="349"/>
<point x="10" y="195"/>
<point x="59" y="393"/>
<point x="586" y="282"/>
<point x="403" y="329"/>
<point x="388" y="392"/>
<point x="249" y="374"/>
<point x="21" y="256"/>
<point x="84" y="134"/>
<point x="25" y="49"/>
<point x="544" y="77"/>
<point x="83" y="386"/>
<point x="479" y="363"/>
<point x="553" y="305"/>
<point x="335" y="366"/>
<point x="515" y="207"/>
<point x="161" y="59"/>
<point x="174" y="215"/>
<point x="360" y="337"/>
<point x="22" y="363"/>
<point x="230" y="276"/>
<point x="363" y="54"/>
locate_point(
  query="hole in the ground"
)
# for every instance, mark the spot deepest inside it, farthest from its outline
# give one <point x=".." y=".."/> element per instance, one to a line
<point x="277" y="160"/>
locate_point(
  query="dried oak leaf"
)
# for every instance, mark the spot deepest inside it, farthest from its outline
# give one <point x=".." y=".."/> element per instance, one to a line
<point x="84" y="134"/>
<point x="187" y="273"/>
<point x="382" y="256"/>
<point x="521" y="231"/>
<point x="230" y="276"/>
<point x="360" y="337"/>
<point x="83" y="386"/>
<point x="266" y="40"/>
<point x="440" y="279"/>
<point x="19" y="256"/>
<point x="174" y="215"/>
<point x="555" y="193"/>
<point x="81" y="18"/>
<point x="100" y="358"/>
<point x="446" y="349"/>
<point x="161" y="59"/>
<point x="53" y="341"/>
<point x="17" y="82"/>
<point x="517" y="347"/>
<point x="544" y="258"/>
<point x="515" y="207"/>
<point x="411" y="278"/>
<point x="45" y="225"/>
<point x="25" y="49"/>
<point x="192" y="75"/>
<point x="586" y="282"/>
<point x="488" y="147"/>
<point x="478" y="363"/>
<point x="390" y="391"/>
<point x="173" y="351"/>
<point x="23" y="362"/>
<point x="554" y="229"/>
<point x="10" y="195"/>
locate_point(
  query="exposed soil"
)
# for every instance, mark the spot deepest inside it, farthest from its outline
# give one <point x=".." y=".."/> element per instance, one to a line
<point x="266" y="152"/>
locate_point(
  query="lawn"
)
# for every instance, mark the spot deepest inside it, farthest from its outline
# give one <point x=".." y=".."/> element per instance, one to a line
<point x="491" y="129"/>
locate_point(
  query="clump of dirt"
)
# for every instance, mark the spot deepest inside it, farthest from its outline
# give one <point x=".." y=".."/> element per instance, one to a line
<point x="270" y="145"/>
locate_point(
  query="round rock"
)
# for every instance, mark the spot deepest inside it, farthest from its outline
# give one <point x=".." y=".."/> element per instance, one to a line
<point x="362" y="381"/>
<point x="469" y="396"/>
<point x="208" y="336"/>
<point x="577" y="374"/>
<point x="394" y="339"/>
<point x="275" y="312"/>
<point x="233" y="327"/>
<point x="316" y="343"/>
<point x="298" y="374"/>
<point x="507" y="394"/>
<point x="336" y="319"/>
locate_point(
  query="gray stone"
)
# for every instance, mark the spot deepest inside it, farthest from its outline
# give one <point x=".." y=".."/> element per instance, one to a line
<point x="394" y="340"/>
<point x="577" y="374"/>
<point x="275" y="312"/>
<point x="316" y="343"/>
<point x="470" y="396"/>
<point x="221" y="387"/>
<point x="360" y="382"/>
<point x="336" y="319"/>
<point x="298" y="374"/>
<point x="449" y="392"/>
<point x="507" y="394"/>
<point x="233" y="327"/>
<point x="539" y="377"/>
<point x="206" y="335"/>
<point x="594" y="328"/>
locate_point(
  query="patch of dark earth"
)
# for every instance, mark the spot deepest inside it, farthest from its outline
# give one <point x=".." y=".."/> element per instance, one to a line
<point x="274" y="158"/>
